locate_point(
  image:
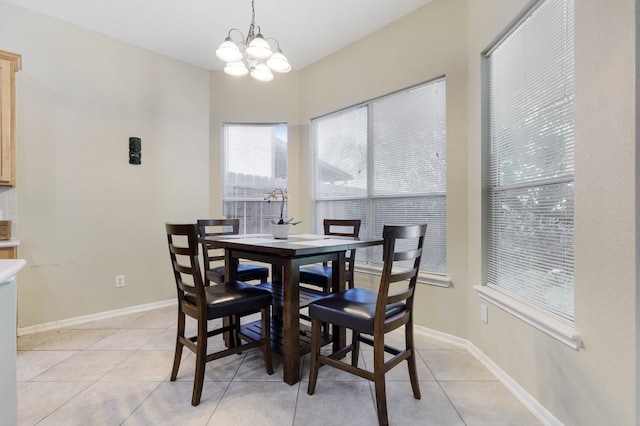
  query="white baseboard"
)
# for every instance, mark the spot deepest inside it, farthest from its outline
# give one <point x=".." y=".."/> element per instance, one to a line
<point x="443" y="337"/>
<point x="518" y="391"/>
<point x="93" y="317"/>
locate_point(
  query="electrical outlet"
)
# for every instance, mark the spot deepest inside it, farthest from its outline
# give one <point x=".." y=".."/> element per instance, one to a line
<point x="484" y="313"/>
<point x="119" y="280"/>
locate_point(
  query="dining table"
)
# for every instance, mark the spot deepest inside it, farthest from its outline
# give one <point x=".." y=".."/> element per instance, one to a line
<point x="289" y="337"/>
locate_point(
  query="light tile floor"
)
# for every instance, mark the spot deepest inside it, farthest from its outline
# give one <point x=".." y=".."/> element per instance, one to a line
<point x="116" y="371"/>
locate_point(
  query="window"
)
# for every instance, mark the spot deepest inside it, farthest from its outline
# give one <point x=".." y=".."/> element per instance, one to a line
<point x="255" y="162"/>
<point x="384" y="162"/>
<point x="529" y="100"/>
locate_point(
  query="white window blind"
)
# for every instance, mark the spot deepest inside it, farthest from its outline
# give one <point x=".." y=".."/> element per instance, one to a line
<point x="530" y="107"/>
<point x="254" y="163"/>
<point x="341" y="156"/>
<point x="385" y="163"/>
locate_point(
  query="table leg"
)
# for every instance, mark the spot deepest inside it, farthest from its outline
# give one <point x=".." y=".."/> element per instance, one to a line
<point x="230" y="274"/>
<point x="276" y="279"/>
<point x="230" y="266"/>
<point x="291" y="322"/>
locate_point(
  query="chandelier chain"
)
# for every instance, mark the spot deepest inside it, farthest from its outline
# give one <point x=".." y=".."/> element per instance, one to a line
<point x="252" y="26"/>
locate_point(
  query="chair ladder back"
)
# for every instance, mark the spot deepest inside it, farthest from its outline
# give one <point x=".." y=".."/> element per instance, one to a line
<point x="354" y="224"/>
<point x="204" y="230"/>
<point x="184" y="260"/>
<point x="392" y="236"/>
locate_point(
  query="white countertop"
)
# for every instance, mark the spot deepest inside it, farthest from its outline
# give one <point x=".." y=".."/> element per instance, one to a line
<point x="9" y="243"/>
<point x="9" y="268"/>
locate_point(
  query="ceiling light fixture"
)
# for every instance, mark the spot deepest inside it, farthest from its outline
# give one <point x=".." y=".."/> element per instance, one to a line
<point x="252" y="55"/>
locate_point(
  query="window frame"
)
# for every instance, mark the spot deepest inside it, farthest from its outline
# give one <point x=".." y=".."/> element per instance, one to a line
<point x="265" y="211"/>
<point x="558" y="326"/>
<point x="365" y="261"/>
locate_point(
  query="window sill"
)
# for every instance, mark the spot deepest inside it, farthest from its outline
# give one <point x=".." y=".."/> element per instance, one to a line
<point x="549" y="325"/>
<point x="423" y="278"/>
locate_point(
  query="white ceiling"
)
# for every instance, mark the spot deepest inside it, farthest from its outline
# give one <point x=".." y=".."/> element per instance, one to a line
<point x="191" y="30"/>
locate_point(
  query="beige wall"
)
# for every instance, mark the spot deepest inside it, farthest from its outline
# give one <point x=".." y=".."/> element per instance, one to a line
<point x="85" y="214"/>
<point x="79" y="200"/>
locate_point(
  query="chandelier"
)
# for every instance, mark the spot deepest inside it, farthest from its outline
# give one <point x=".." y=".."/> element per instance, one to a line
<point x="252" y="55"/>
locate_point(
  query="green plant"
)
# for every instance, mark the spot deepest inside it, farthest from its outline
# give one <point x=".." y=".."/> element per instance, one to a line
<point x="280" y="194"/>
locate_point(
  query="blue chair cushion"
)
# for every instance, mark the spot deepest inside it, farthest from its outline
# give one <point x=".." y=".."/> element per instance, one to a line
<point x="246" y="272"/>
<point x="319" y="275"/>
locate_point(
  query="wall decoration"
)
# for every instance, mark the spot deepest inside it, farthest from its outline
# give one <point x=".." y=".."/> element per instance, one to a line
<point x="135" y="150"/>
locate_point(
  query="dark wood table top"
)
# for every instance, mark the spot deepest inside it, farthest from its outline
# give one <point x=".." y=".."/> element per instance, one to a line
<point x="295" y="245"/>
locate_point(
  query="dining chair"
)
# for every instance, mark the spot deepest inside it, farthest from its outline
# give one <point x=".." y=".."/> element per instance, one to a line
<point x="216" y="227"/>
<point x="231" y="300"/>
<point x="320" y="275"/>
<point x="371" y="315"/>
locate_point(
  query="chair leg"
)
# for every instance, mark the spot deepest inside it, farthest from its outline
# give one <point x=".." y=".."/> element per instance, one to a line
<point x="355" y="348"/>
<point x="325" y="328"/>
<point x="315" y="351"/>
<point x="234" y="339"/>
<point x="201" y="362"/>
<point x="411" y="361"/>
<point x="178" y="352"/>
<point x="379" y="382"/>
<point x="266" y="335"/>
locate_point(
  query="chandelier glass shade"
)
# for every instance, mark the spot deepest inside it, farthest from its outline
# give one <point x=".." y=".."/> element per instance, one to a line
<point x="252" y="54"/>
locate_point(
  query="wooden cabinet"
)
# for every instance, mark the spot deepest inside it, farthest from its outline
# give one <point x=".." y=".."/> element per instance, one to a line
<point x="10" y="63"/>
<point x="8" y="253"/>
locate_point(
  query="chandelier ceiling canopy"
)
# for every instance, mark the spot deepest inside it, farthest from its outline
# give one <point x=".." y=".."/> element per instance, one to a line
<point x="252" y="54"/>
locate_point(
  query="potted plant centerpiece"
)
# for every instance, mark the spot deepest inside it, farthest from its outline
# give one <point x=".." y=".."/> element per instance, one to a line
<point x="280" y="228"/>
